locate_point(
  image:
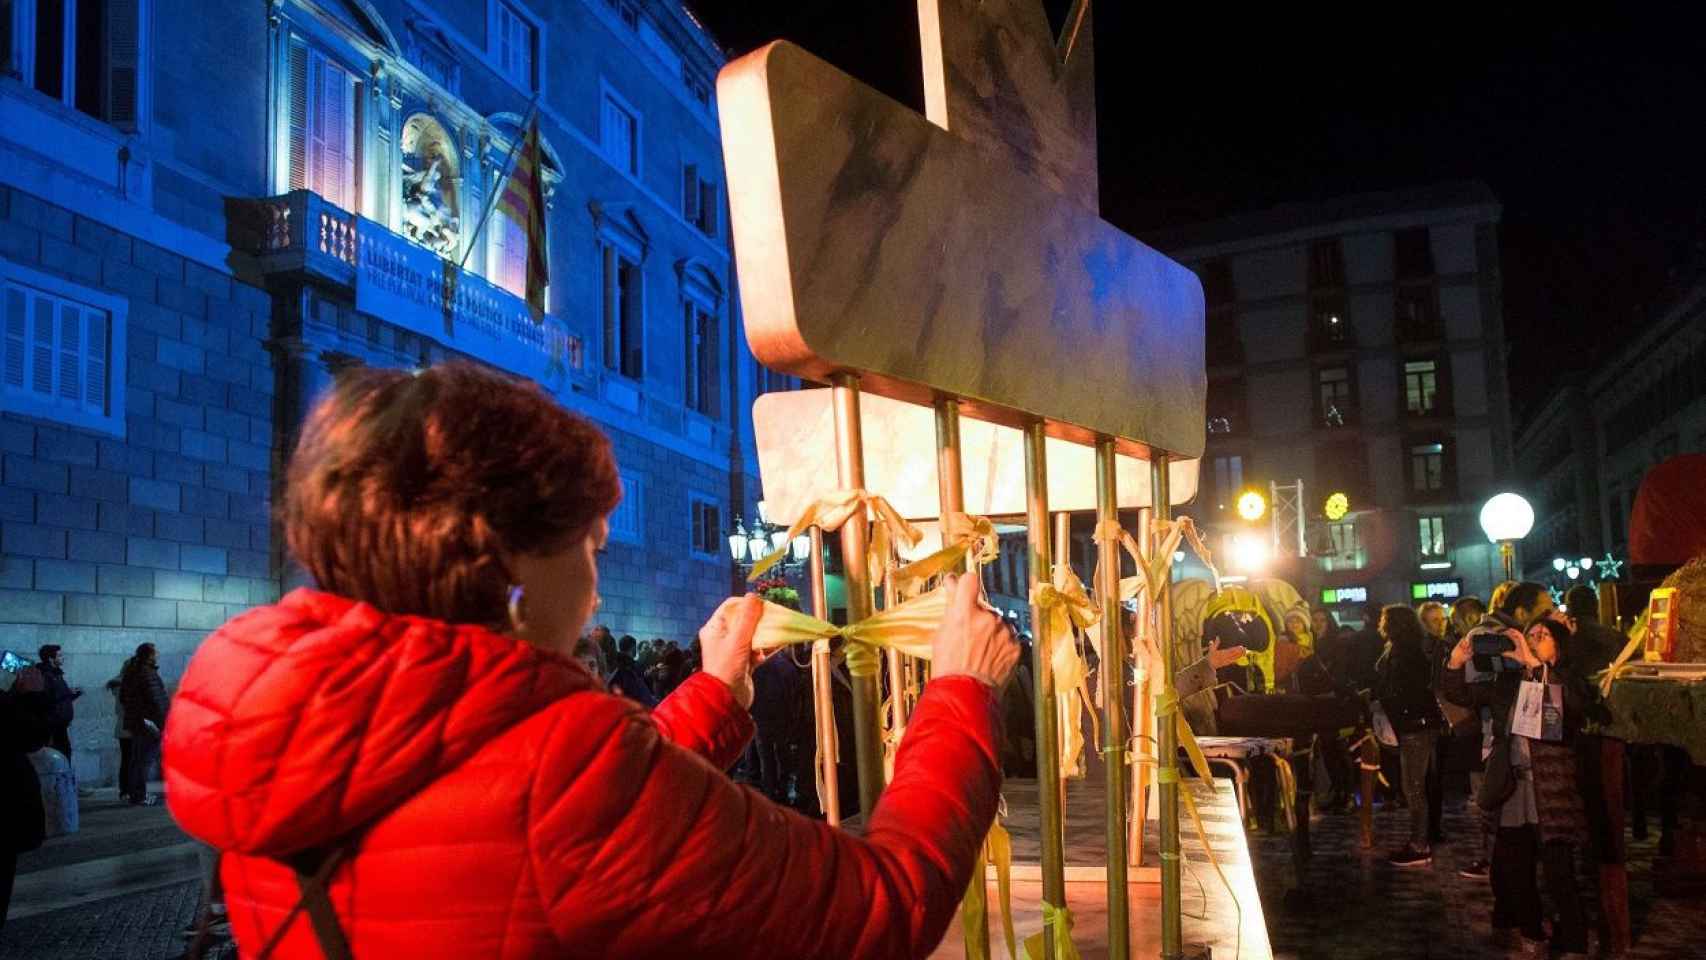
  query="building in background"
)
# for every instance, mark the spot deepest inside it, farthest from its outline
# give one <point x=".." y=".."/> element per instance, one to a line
<point x="1642" y="403"/>
<point x="208" y="209"/>
<point x="1557" y="457"/>
<point x="1356" y="346"/>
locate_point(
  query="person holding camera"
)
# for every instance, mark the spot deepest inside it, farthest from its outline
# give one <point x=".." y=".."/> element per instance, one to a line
<point x="1530" y="784"/>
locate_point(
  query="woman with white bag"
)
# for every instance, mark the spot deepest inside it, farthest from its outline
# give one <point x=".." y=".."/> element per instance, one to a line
<point x="1539" y="710"/>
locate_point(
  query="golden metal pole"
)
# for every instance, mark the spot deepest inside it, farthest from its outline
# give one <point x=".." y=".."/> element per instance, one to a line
<point x="951" y="499"/>
<point x="823" y="692"/>
<point x="1048" y="732"/>
<point x="1113" y="670"/>
<point x="1142" y="707"/>
<point x="1167" y="763"/>
<point x="855" y="538"/>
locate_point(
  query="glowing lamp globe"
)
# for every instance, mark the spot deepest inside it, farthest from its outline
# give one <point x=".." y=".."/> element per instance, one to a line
<point x="1507" y="517"/>
<point x="1337" y="506"/>
<point x="1251" y="505"/>
<point x="1559" y="563"/>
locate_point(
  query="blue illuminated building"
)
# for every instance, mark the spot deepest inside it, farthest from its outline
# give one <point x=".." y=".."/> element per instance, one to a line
<point x="206" y="209"/>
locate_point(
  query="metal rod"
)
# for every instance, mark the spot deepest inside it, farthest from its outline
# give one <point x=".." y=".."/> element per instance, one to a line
<point x="1048" y="732"/>
<point x="855" y="537"/>
<point x="896" y="663"/>
<point x="1143" y="707"/>
<point x="951" y="499"/>
<point x="1113" y="670"/>
<point x="823" y="692"/>
<point x="1167" y="741"/>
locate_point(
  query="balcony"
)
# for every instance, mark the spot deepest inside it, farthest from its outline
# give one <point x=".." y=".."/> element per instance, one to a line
<point x="300" y="237"/>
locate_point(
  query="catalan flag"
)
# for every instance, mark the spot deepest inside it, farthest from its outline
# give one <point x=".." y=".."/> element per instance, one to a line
<point x="523" y="199"/>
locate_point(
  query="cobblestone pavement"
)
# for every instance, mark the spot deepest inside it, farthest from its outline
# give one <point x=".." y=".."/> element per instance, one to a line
<point x="1359" y="907"/>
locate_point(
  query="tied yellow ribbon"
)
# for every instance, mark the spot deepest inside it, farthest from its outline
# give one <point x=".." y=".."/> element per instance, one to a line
<point x="888" y="528"/>
<point x="963" y="537"/>
<point x="974" y="908"/>
<point x="1066" y="608"/>
<point x="1167" y="705"/>
<point x="907" y="627"/>
<point x="1057" y="926"/>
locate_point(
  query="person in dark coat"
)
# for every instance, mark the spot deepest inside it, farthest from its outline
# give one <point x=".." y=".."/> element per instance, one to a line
<point x="23" y="822"/>
<point x="48" y="677"/>
<point x="626" y="678"/>
<point x="143" y="696"/>
<point x="1543" y="818"/>
<point x="1404" y="686"/>
<point x="782" y="713"/>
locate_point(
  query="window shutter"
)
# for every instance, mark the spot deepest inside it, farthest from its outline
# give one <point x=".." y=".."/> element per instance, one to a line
<point x="70" y="353"/>
<point x="124" y="35"/>
<point x="690" y="192"/>
<point x="95" y="362"/>
<point x="708" y="207"/>
<point x="612" y="308"/>
<point x="17" y="336"/>
<point x="633" y="302"/>
<point x="41" y="370"/>
<point x="334" y="120"/>
<point x="298" y="116"/>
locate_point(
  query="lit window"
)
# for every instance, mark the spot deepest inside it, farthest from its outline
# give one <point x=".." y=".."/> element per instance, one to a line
<point x="1421" y="386"/>
<point x="510" y="270"/>
<point x="1427" y="467"/>
<point x="619" y="133"/>
<point x="62" y="351"/>
<point x="324" y="117"/>
<point x="1431" y="536"/>
<point x="1347" y="552"/>
<point x="516" y="45"/>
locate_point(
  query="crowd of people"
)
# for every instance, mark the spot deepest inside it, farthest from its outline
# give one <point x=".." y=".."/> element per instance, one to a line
<point x="1504" y="693"/>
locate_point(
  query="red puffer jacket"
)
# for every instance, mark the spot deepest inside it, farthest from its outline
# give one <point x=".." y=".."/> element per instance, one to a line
<point x="502" y="804"/>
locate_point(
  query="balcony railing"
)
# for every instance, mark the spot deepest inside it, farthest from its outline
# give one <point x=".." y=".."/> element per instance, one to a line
<point x="403" y="283"/>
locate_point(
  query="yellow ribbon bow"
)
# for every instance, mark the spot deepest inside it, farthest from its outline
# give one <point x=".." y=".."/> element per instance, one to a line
<point x="907" y="627"/>
<point x="1057" y="926"/>
<point x="888" y="527"/>
<point x="963" y="536"/>
<point x="1066" y="608"/>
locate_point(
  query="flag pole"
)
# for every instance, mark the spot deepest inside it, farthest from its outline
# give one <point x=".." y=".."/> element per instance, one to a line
<point x="500" y="182"/>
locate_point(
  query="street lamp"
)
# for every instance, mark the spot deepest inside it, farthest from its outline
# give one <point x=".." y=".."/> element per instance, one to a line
<point x="737" y="541"/>
<point x="1507" y="518"/>
<point x="1559" y="563"/>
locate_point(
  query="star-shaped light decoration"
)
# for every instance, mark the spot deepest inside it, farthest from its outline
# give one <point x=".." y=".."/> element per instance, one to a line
<point x="1610" y="569"/>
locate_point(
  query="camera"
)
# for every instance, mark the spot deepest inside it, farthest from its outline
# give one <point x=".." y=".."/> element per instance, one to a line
<point x="1486" y="659"/>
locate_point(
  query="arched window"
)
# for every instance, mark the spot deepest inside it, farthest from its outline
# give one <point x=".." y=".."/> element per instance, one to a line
<point x="432" y="186"/>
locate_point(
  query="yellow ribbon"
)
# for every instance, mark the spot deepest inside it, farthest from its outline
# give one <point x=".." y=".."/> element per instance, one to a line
<point x="1288" y="790"/>
<point x="974" y="909"/>
<point x="907" y="627"/>
<point x="888" y="527"/>
<point x="1065" y="608"/>
<point x="963" y="536"/>
<point x="1057" y="926"/>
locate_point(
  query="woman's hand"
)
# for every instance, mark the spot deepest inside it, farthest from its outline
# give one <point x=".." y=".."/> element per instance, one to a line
<point x="1460" y="654"/>
<point x="725" y="644"/>
<point x="1522" y="654"/>
<point x="972" y="640"/>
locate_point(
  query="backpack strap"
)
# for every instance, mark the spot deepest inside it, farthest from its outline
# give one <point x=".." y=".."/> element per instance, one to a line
<point x="314" y="868"/>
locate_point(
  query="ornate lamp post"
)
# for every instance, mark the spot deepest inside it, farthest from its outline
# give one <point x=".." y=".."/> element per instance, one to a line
<point x="1507" y="518"/>
<point x="748" y="546"/>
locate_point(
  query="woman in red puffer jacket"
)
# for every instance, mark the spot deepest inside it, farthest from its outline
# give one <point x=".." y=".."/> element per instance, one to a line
<point x="416" y="735"/>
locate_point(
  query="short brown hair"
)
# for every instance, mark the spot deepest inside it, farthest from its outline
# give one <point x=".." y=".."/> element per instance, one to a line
<point x="405" y="489"/>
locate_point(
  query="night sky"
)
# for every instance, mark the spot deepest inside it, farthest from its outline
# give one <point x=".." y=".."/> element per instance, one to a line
<point x="1592" y="133"/>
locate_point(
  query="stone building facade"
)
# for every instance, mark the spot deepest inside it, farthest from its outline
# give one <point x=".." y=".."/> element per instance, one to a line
<point x="208" y="209"/>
